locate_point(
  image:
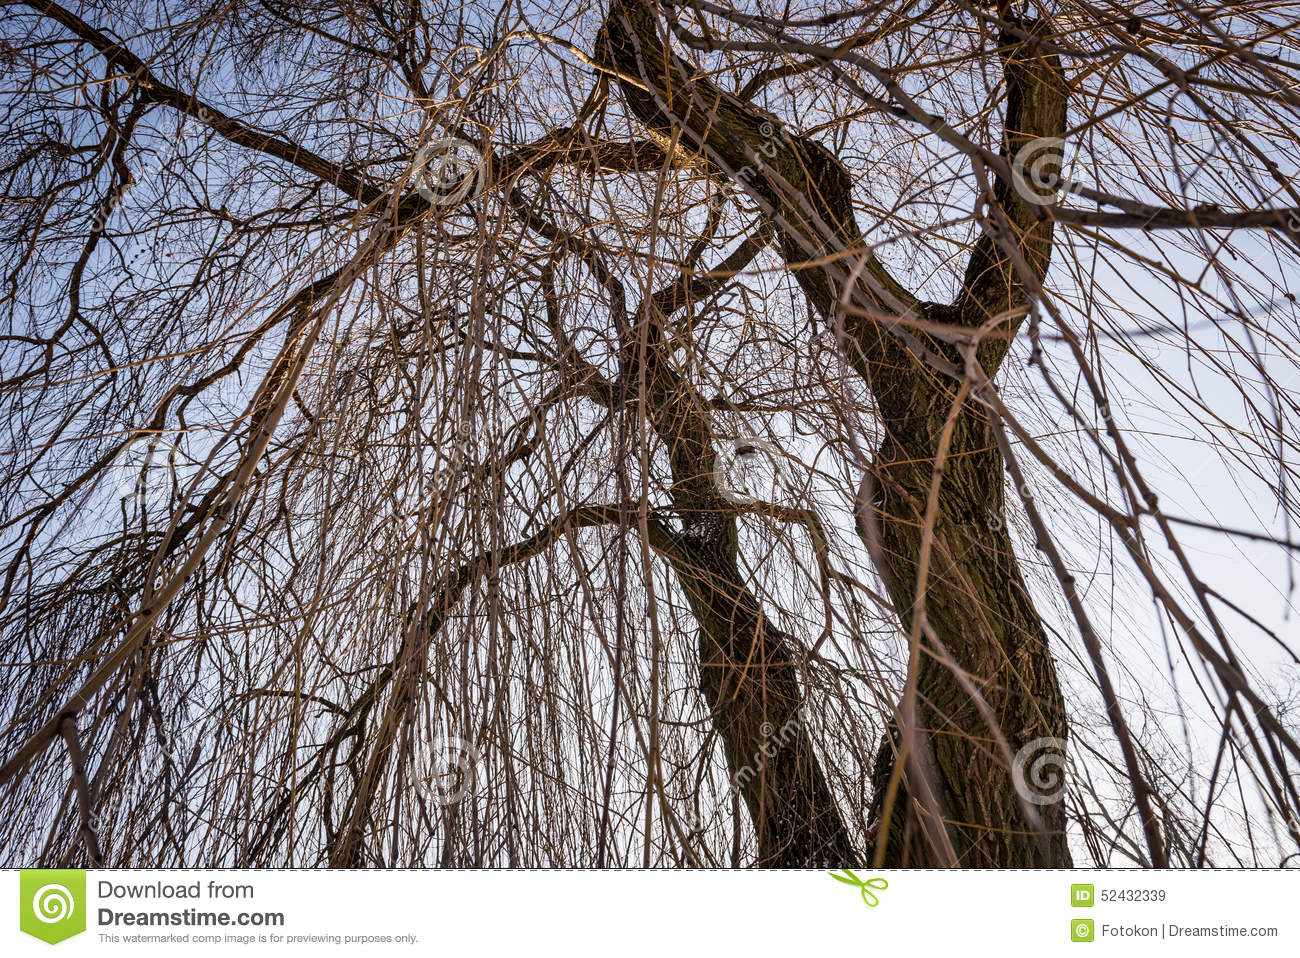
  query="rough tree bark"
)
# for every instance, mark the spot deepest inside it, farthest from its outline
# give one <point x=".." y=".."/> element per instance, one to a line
<point x="975" y="626"/>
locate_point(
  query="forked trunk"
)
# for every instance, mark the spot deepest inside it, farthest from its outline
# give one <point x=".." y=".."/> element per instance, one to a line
<point x="985" y="685"/>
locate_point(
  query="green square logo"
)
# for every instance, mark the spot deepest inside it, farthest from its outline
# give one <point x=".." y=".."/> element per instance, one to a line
<point x="52" y="903"/>
<point x="1081" y="929"/>
<point x="1081" y="896"/>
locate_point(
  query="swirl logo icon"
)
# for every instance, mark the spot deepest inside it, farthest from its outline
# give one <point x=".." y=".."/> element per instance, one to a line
<point x="1038" y="771"/>
<point x="1037" y="171"/>
<point x="739" y="475"/>
<point x="145" y="471"/>
<point x="448" y="171"/>
<point x="455" y="762"/>
<point x="52" y="903"/>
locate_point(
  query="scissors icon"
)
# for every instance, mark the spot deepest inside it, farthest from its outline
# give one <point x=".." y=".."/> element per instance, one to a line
<point x="865" y="886"/>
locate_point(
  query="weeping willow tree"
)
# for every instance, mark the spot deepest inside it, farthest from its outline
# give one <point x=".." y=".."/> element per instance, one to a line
<point x="649" y="434"/>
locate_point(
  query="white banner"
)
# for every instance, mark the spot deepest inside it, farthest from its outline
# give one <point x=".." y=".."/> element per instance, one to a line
<point x="653" y="912"/>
